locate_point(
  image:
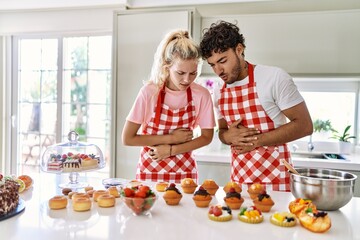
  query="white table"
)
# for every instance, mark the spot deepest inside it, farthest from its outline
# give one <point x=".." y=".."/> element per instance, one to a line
<point x="184" y="221"/>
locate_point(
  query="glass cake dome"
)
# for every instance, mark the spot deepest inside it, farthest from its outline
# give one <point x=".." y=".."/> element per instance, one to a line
<point x="72" y="157"/>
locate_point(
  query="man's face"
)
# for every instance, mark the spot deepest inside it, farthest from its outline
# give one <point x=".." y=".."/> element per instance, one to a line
<point x="227" y="64"/>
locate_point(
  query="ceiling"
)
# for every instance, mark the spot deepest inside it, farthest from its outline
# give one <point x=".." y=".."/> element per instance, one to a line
<point x="205" y="7"/>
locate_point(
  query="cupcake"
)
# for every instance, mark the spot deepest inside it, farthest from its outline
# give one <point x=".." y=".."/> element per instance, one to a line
<point x="255" y="189"/>
<point x="188" y="185"/>
<point x="161" y="186"/>
<point x="202" y="198"/>
<point x="283" y="219"/>
<point x="210" y="186"/>
<point x="234" y="185"/>
<point x="233" y="199"/>
<point x="263" y="202"/>
<point x="172" y="195"/>
<point x="219" y="213"/>
<point x="250" y="215"/>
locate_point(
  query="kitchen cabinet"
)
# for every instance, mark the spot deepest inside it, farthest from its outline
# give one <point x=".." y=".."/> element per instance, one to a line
<point x="136" y="37"/>
<point x="301" y="43"/>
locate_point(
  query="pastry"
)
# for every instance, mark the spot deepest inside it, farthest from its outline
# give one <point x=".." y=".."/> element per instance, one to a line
<point x="283" y="219"/>
<point x="90" y="193"/>
<point x="114" y="191"/>
<point x="89" y="163"/>
<point x="9" y="194"/>
<point x="202" y="198"/>
<point x="66" y="191"/>
<point x="88" y="188"/>
<point x="188" y="185"/>
<point x="250" y="215"/>
<point x="172" y="195"/>
<point x="97" y="193"/>
<point x="58" y="202"/>
<point x="300" y="204"/>
<point x="234" y="185"/>
<point x="79" y="195"/>
<point x="81" y="204"/>
<point x="263" y="202"/>
<point x="210" y="186"/>
<point x="70" y="194"/>
<point x="106" y="200"/>
<point x="255" y="189"/>
<point x="219" y="213"/>
<point x="27" y="180"/>
<point x="233" y="199"/>
<point x="161" y="186"/>
<point x="314" y="220"/>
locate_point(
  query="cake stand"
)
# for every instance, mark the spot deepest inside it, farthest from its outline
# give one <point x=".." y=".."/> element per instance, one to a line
<point x="72" y="157"/>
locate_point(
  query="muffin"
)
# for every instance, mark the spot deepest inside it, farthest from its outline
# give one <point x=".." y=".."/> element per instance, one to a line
<point x="172" y="195"/>
<point x="234" y="185"/>
<point x="233" y="199"/>
<point x="210" y="186"/>
<point x="161" y="186"/>
<point x="263" y="202"/>
<point x="202" y="198"/>
<point x="255" y="189"/>
<point x="219" y="213"/>
<point x="188" y="185"/>
<point x="250" y="215"/>
<point x="283" y="219"/>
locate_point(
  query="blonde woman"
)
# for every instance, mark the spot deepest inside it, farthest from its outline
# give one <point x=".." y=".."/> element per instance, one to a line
<point x="167" y="109"/>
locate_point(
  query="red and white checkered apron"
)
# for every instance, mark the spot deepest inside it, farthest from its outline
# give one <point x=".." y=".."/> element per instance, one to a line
<point x="163" y="121"/>
<point x="263" y="164"/>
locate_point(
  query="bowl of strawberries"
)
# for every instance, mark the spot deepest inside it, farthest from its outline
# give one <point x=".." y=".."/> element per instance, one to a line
<point x="140" y="199"/>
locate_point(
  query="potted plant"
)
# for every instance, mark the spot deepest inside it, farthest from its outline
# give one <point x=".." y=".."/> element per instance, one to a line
<point x="345" y="146"/>
<point x="322" y="129"/>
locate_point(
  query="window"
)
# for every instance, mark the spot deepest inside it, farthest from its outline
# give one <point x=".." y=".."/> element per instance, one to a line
<point x="331" y="99"/>
<point x="63" y="84"/>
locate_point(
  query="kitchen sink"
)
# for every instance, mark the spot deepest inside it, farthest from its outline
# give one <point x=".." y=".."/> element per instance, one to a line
<point x="318" y="155"/>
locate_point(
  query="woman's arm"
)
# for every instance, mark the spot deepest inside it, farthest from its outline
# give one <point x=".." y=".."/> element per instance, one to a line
<point x="130" y="136"/>
<point x="164" y="151"/>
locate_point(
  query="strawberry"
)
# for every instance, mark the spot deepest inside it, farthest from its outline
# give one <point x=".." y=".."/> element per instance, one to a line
<point x="128" y="192"/>
<point x="217" y="211"/>
<point x="140" y="194"/>
<point x="144" y="188"/>
<point x="211" y="210"/>
<point x="138" y="203"/>
<point x="1" y="176"/>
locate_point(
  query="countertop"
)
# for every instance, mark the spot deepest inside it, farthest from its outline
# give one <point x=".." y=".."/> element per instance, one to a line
<point x="185" y="221"/>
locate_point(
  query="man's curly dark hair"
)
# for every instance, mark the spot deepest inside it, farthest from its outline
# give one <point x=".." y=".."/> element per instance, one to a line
<point x="219" y="38"/>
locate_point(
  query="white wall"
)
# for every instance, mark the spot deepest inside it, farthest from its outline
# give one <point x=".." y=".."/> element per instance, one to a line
<point x="54" y="21"/>
<point x="301" y="43"/>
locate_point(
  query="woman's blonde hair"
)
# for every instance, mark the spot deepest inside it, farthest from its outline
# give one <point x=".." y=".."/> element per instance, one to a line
<point x="176" y="44"/>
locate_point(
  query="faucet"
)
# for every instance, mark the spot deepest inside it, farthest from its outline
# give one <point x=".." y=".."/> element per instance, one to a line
<point x="310" y="144"/>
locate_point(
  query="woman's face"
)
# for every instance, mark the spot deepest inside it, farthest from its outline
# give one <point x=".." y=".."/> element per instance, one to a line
<point x="181" y="74"/>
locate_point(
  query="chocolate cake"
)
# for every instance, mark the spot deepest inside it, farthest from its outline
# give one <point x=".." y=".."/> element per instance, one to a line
<point x="9" y="195"/>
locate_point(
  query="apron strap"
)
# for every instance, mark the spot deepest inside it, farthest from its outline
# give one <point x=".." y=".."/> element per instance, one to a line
<point x="250" y="73"/>
<point x="159" y="103"/>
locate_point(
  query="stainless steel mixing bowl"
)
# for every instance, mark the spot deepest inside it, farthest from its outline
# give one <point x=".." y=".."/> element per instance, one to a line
<point x="328" y="189"/>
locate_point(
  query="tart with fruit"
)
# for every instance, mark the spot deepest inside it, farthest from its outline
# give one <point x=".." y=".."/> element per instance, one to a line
<point x="299" y="205"/>
<point x="283" y="219"/>
<point x="314" y="220"/>
<point x="263" y="202"/>
<point x="250" y="215"/>
<point x="219" y="213"/>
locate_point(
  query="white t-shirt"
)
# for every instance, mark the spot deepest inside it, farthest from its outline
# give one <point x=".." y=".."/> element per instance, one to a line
<point x="276" y="91"/>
